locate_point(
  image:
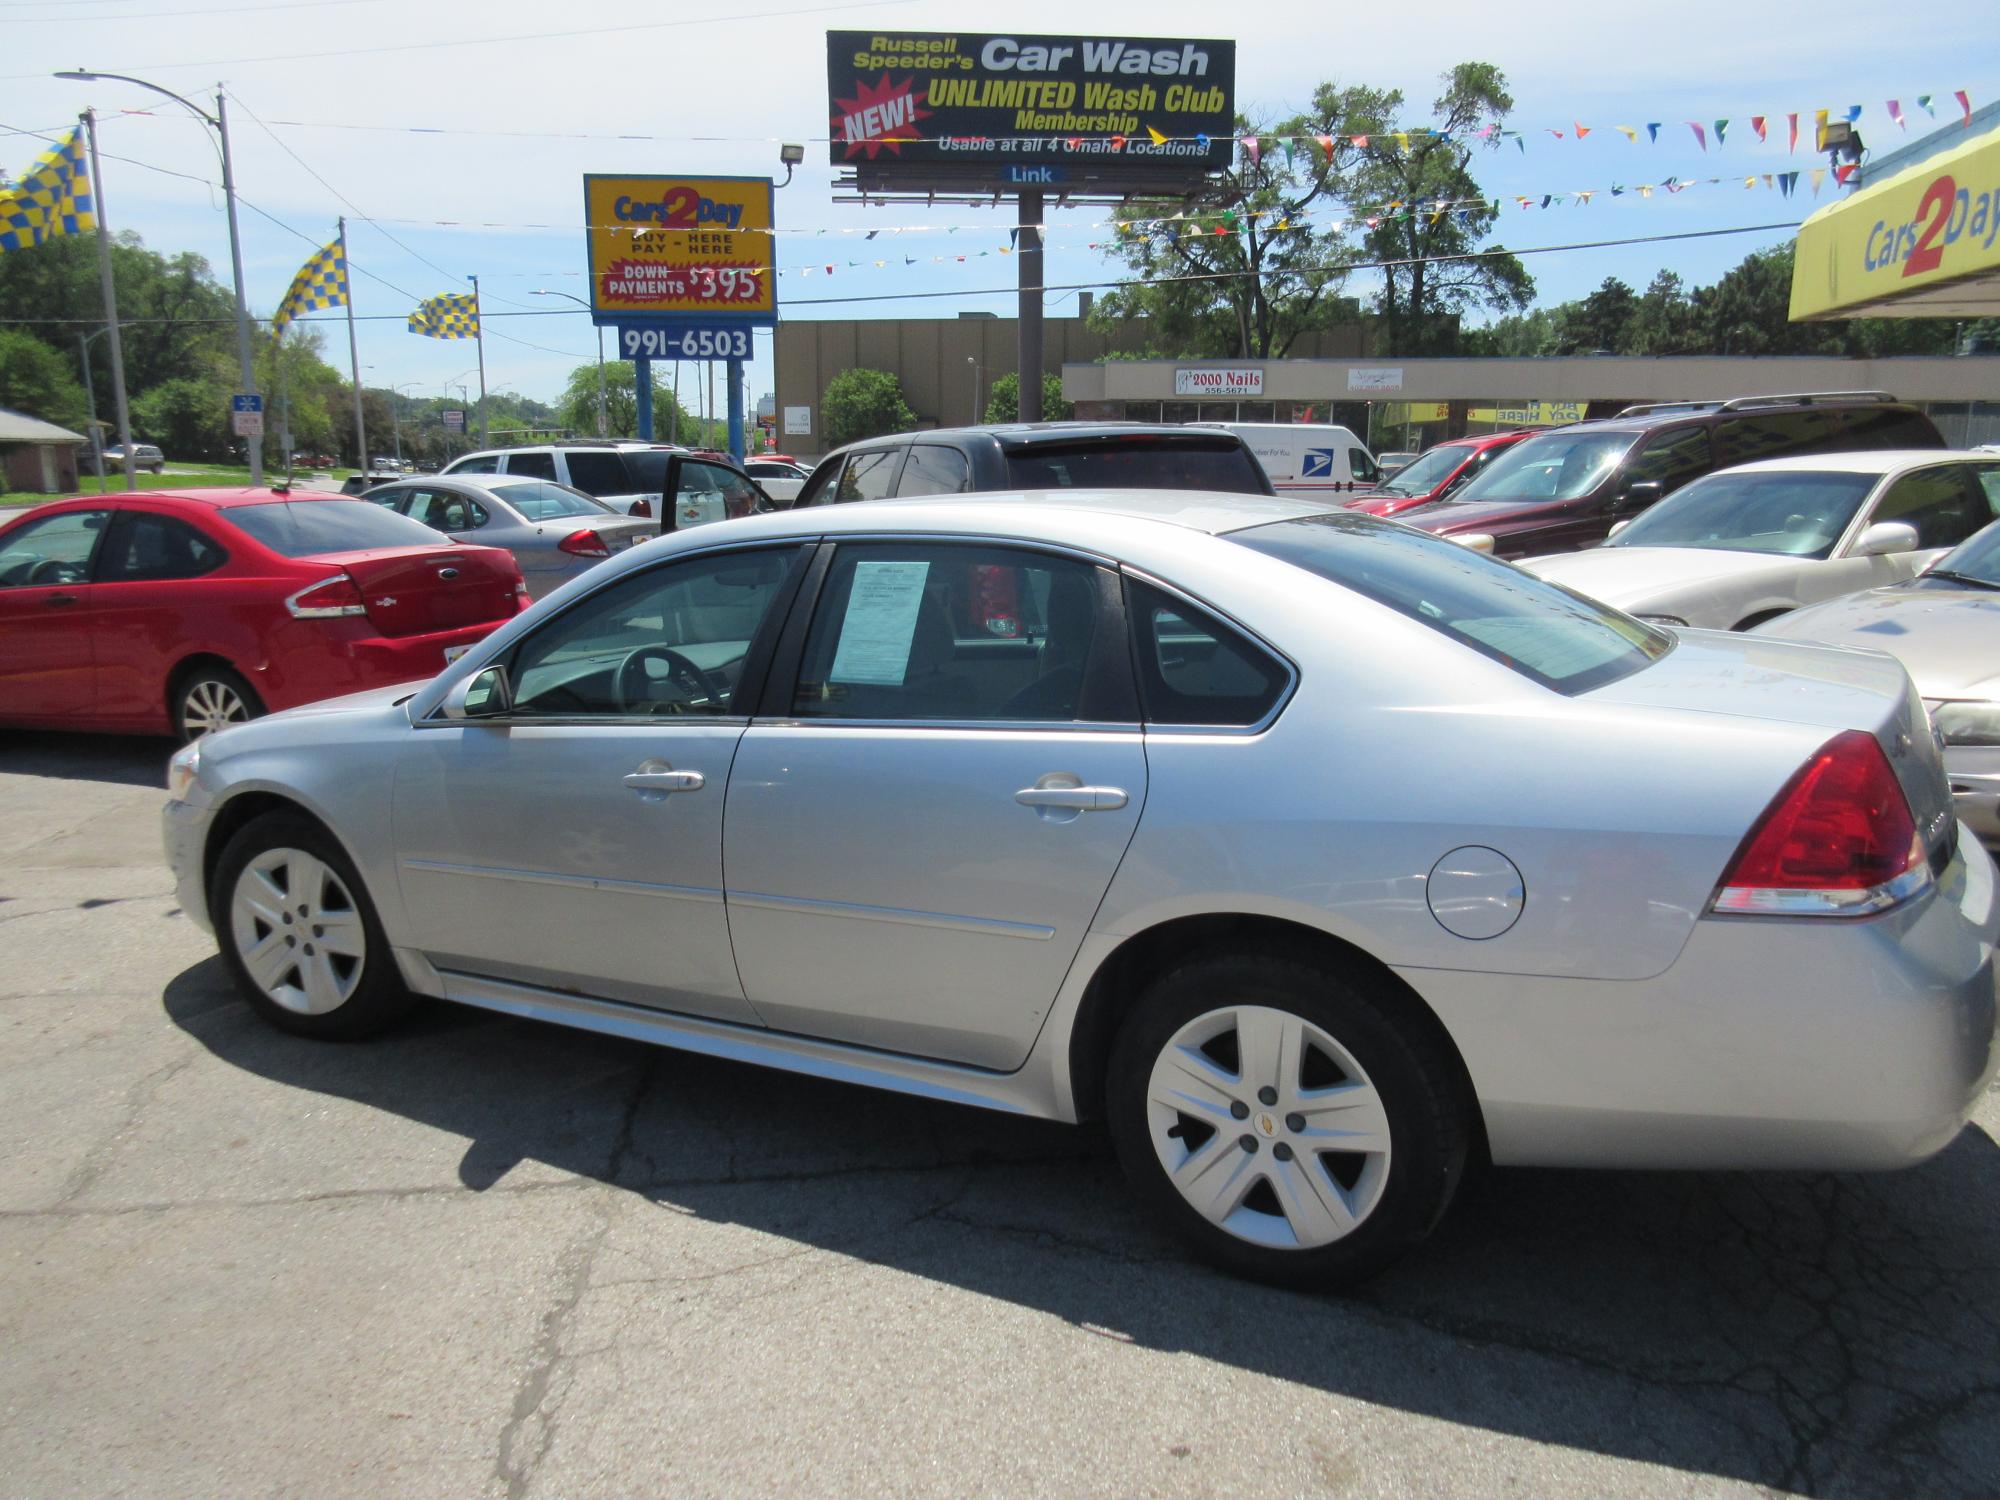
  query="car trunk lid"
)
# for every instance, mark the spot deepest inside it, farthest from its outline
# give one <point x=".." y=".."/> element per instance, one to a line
<point x="419" y="590"/>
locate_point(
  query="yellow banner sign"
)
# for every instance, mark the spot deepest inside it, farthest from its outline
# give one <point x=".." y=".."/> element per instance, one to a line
<point x="683" y="248"/>
<point x="1897" y="241"/>
<point x="1529" y="414"/>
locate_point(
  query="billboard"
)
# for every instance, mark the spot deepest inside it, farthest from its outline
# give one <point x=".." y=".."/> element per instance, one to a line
<point x="925" y="109"/>
<point x="693" y="252"/>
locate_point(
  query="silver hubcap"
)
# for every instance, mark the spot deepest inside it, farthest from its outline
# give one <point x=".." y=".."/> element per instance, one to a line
<point x="1268" y="1127"/>
<point x="297" y="931"/>
<point x="209" y="705"/>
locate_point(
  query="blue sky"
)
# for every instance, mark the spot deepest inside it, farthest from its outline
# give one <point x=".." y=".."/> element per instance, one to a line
<point x="508" y="128"/>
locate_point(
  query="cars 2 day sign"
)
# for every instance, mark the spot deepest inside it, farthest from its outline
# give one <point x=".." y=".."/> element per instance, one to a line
<point x="1021" y="108"/>
<point x="680" y="248"/>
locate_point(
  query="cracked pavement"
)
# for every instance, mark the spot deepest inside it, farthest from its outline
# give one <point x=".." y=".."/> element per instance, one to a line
<point x="484" y="1257"/>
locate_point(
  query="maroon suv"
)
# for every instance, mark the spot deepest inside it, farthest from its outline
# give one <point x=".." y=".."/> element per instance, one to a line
<point x="1566" y="488"/>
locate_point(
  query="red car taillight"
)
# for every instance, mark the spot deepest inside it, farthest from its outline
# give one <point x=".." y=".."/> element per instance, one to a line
<point x="327" y="599"/>
<point x="641" y="508"/>
<point x="1839" y="840"/>
<point x="584" y="544"/>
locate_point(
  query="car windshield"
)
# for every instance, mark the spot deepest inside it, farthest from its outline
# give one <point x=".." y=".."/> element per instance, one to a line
<point x="1792" y="513"/>
<point x="1977" y="557"/>
<point x="544" y="500"/>
<point x="305" y="528"/>
<point x="1154" y="463"/>
<point x="1554" y="466"/>
<point x="1558" y="638"/>
<point x="1427" y="473"/>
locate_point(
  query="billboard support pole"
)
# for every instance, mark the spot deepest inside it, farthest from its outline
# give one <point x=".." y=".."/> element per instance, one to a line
<point x="1030" y="252"/>
<point x="642" y="387"/>
<point x="736" y="410"/>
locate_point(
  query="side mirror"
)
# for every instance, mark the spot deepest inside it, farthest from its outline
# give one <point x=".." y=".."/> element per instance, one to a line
<point x="1885" y="538"/>
<point x="1476" y="541"/>
<point x="486" y="694"/>
<point x="1637" y="495"/>
<point x="1617" y="527"/>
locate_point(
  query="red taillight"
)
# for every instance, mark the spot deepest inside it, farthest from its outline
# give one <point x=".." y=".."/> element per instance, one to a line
<point x="641" y="508"/>
<point x="1838" y="840"/>
<point x="330" y="597"/>
<point x="584" y="544"/>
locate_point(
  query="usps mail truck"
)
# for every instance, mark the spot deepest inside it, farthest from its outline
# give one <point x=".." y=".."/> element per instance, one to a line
<point x="1307" y="458"/>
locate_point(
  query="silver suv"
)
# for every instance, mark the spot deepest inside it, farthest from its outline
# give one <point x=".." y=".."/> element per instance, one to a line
<point x="620" y="474"/>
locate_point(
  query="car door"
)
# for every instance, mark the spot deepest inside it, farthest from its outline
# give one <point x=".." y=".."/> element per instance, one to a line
<point x="46" y="600"/>
<point x="924" y="819"/>
<point x="149" y="606"/>
<point x="575" y="840"/>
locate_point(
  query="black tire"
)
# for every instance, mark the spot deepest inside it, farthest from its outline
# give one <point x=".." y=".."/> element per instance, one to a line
<point x="202" y="685"/>
<point x="376" y="997"/>
<point x="1429" y="1118"/>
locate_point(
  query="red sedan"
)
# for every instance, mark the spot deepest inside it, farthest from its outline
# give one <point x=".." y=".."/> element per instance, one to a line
<point x="177" y="613"/>
<point x="1440" y="471"/>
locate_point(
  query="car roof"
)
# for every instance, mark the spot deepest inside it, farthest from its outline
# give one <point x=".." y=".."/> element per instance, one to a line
<point x="1003" y="512"/>
<point x="1867" y="461"/>
<point x="1026" y="434"/>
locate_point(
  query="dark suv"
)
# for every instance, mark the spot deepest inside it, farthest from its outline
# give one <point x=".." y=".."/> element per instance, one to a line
<point x="1566" y="488"/>
<point x="1037" y="456"/>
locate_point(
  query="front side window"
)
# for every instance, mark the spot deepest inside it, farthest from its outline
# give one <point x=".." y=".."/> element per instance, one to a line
<point x="1194" y="669"/>
<point x="1943" y="504"/>
<point x="868" y="475"/>
<point x="1361" y="464"/>
<point x="949" y="632"/>
<point x="934" y="470"/>
<point x="151" y="549"/>
<point x="1548" y="634"/>
<point x="1790" y="512"/>
<point x="53" y="550"/>
<point x="1426" y="473"/>
<point x="669" y="641"/>
<point x="534" y="465"/>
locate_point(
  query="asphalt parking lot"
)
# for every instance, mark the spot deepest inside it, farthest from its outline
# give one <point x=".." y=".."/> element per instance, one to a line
<point x="485" y="1257"/>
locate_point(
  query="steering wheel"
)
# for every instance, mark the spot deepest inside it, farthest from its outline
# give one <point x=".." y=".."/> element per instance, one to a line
<point x="55" y="570"/>
<point x="629" y="683"/>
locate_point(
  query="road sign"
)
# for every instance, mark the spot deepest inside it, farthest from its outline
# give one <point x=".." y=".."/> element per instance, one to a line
<point x="454" y="420"/>
<point x="684" y="341"/>
<point x="247" y="422"/>
<point x="242" y="402"/>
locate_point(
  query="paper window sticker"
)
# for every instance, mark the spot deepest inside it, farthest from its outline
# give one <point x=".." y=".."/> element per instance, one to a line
<point x="880" y="624"/>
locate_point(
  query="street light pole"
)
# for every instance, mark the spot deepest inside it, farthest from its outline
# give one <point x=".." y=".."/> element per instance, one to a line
<point x="219" y="123"/>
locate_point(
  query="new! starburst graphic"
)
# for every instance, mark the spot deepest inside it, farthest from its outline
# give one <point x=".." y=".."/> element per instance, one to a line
<point x="879" y="117"/>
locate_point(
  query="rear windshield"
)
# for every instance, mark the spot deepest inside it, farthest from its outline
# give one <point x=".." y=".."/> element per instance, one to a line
<point x="1554" y="466"/>
<point x="540" y="500"/>
<point x="1560" y="639"/>
<point x="1153" y="463"/>
<point x="306" y="528"/>
<point x="600" y="473"/>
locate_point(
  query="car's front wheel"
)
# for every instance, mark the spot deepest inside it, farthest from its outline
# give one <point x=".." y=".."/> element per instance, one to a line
<point x="299" y="933"/>
<point x="1288" y="1119"/>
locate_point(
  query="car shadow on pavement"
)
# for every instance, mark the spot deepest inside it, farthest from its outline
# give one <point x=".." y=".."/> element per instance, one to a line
<point x="1819" y="1334"/>
<point x="114" y="759"/>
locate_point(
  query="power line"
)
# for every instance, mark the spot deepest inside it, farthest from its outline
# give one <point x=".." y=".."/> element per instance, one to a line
<point x="489" y="41"/>
<point x="161" y="15"/>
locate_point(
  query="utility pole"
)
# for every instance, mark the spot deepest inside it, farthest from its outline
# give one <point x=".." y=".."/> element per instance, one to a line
<point x="121" y="407"/>
<point x="90" y="396"/>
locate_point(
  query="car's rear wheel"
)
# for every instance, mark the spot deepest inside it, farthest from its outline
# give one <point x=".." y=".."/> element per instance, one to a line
<point x="299" y="933"/>
<point x="1287" y="1119"/>
<point x="209" y="697"/>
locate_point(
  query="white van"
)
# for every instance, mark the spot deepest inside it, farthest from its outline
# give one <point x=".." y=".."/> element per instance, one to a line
<point x="1305" y="458"/>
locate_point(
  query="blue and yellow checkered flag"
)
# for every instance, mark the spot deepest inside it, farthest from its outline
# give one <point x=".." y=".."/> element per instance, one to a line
<point x="451" y="316"/>
<point x="53" y="198"/>
<point x="320" y="284"/>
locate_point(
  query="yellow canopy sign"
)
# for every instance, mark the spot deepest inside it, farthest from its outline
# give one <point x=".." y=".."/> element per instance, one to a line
<point x="1922" y="244"/>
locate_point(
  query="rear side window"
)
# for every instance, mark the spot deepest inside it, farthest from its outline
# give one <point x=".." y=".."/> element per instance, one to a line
<point x="1194" y="669"/>
<point x="818" y="490"/>
<point x="484" y="463"/>
<point x="150" y="548"/>
<point x="1559" y="639"/>
<point x="534" y="465"/>
<point x="1156" y="463"/>
<point x="599" y="474"/>
<point x="1671" y="459"/>
<point x="305" y="528"/>
<point x="1887" y="427"/>
<point x="1740" y="440"/>
<point x="869" y="475"/>
<point x="934" y="470"/>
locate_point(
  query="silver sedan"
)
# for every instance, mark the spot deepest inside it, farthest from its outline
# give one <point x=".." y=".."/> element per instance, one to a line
<point x="1316" y="854"/>
<point x="555" y="532"/>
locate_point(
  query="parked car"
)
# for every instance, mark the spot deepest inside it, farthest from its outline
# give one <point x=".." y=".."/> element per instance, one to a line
<point x="1944" y="627"/>
<point x="145" y="457"/>
<point x="177" y="613"/>
<point x="1442" y="471"/>
<point x="1307" y="458"/>
<point x="780" y="478"/>
<point x="626" y="475"/>
<point x="1569" y="486"/>
<point x="1395" y="461"/>
<point x="1582" y="893"/>
<point x="1737" y="548"/>
<point x="361" y="483"/>
<point x="1036" y="456"/>
<point x="553" y="531"/>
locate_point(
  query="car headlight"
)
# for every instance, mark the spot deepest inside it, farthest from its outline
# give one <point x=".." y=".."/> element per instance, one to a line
<point x="183" y="769"/>
<point x="1967" y="723"/>
<point x="1664" y="620"/>
<point x="1478" y="541"/>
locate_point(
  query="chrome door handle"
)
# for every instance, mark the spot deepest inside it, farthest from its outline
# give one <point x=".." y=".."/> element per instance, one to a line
<point x="656" y="777"/>
<point x="1073" y="798"/>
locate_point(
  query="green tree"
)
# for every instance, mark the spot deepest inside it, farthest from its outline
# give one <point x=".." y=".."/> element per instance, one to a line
<point x="1424" y="206"/>
<point x="1003" y="399"/>
<point x="188" y="418"/>
<point x="1600" y="323"/>
<point x="1248" y="267"/>
<point x="1527" y="335"/>
<point x="1664" y="321"/>
<point x="37" y="380"/>
<point x="576" y="407"/>
<point x="864" y="403"/>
